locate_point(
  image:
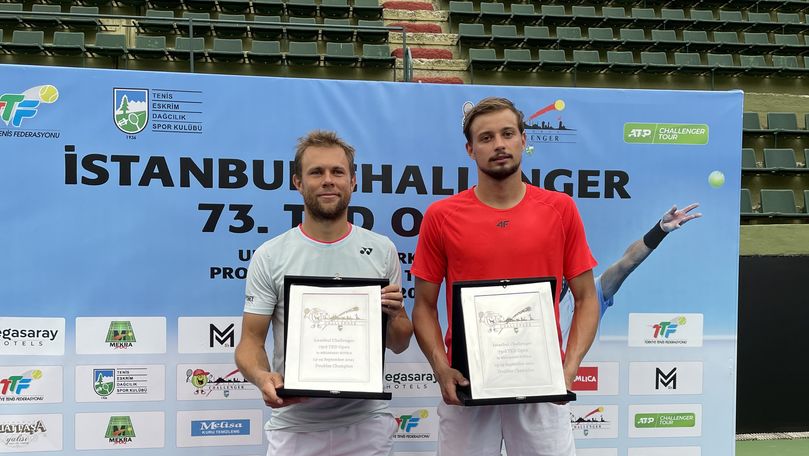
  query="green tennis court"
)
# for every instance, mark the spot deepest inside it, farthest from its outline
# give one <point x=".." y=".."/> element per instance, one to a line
<point x="799" y="447"/>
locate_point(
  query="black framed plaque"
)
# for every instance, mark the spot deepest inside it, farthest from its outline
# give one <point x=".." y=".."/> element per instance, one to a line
<point x="505" y="342"/>
<point x="334" y="337"/>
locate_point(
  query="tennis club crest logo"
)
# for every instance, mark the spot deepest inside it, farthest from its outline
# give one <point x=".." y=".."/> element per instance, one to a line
<point x="104" y="381"/>
<point x="130" y="109"/>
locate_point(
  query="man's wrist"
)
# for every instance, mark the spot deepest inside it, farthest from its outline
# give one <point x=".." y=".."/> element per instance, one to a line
<point x="654" y="237"/>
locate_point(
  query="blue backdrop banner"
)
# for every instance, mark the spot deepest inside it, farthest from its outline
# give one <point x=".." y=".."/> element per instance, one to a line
<point x="132" y="202"/>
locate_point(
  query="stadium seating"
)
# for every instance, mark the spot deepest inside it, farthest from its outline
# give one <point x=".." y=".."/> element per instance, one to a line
<point x="67" y="44"/>
<point x="265" y="52"/>
<point x="778" y="202"/>
<point x="746" y="206"/>
<point x="749" y="160"/>
<point x="340" y="54"/>
<point x="186" y="48"/>
<point x="149" y="47"/>
<point x="781" y="160"/>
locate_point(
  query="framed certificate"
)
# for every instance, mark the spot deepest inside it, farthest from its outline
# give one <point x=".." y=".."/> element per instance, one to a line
<point x="334" y="337"/>
<point x="504" y="340"/>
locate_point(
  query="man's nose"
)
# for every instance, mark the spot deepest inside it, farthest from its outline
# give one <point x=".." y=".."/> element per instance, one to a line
<point x="499" y="142"/>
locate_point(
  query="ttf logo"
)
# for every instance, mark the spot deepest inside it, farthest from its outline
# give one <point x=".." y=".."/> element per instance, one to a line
<point x="664" y="329"/>
<point x="666" y="380"/>
<point x="15" y="384"/>
<point x="409" y="422"/>
<point x="226" y="337"/>
<point x="14" y="107"/>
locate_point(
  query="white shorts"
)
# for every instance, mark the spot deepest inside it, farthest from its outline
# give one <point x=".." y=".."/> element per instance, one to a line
<point x="526" y="430"/>
<point x="371" y="437"/>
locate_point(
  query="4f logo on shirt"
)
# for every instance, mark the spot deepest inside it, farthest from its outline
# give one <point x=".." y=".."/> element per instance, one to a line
<point x="366" y="250"/>
<point x="502" y="224"/>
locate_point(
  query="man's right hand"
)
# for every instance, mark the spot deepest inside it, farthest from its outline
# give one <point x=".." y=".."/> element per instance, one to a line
<point x="448" y="380"/>
<point x="268" y="383"/>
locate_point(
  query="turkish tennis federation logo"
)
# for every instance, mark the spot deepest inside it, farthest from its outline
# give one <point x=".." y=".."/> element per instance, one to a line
<point x="131" y="109"/>
<point x="322" y="319"/>
<point x="497" y="322"/>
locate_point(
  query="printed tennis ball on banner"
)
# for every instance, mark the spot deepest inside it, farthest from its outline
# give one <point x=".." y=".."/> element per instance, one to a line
<point x="48" y="94"/>
<point x="716" y="179"/>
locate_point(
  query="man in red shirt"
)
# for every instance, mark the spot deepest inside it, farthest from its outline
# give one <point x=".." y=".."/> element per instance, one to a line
<point x="501" y="228"/>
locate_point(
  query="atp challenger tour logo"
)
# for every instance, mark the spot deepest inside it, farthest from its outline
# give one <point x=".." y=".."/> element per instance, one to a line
<point x="130" y="109"/>
<point x="120" y="335"/>
<point x="15" y="107"/>
<point x="497" y="322"/>
<point x="322" y="319"/>
<point x="662" y="133"/>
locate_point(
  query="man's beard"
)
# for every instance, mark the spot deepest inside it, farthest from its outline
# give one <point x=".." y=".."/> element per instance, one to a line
<point x="319" y="212"/>
<point x="502" y="173"/>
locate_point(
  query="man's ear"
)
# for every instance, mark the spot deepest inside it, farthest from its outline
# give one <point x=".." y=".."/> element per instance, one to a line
<point x="296" y="181"/>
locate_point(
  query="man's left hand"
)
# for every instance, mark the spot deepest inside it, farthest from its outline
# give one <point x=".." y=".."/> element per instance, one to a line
<point x="392" y="300"/>
<point x="674" y="219"/>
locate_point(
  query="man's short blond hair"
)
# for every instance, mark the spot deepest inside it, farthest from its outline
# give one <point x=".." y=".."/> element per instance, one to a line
<point x="321" y="138"/>
<point x="486" y="106"/>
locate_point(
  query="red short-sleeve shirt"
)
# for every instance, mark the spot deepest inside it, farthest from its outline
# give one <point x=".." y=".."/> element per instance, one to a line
<point x="463" y="239"/>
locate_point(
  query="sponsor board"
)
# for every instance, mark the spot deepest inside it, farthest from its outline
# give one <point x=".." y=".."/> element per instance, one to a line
<point x="665" y="420"/>
<point x="411" y="380"/>
<point x="650" y="378"/>
<point x="213" y="382"/>
<point x="31" y="384"/>
<point x="665" y="451"/>
<point x="199" y="428"/>
<point x="32" y="336"/>
<point x="599" y="378"/>
<point x="27" y="433"/>
<point x="665" y="330"/>
<point x="596" y="451"/>
<point x="208" y="334"/>
<point x="594" y="421"/>
<point x="120" y="335"/>
<point x="115" y="383"/>
<point x="416" y="424"/>
<point x="120" y="430"/>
